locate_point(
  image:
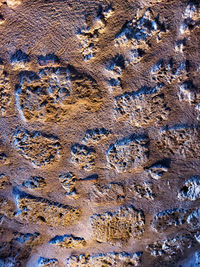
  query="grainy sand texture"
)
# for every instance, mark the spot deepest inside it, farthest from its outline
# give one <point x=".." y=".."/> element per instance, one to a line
<point x="99" y="133"/>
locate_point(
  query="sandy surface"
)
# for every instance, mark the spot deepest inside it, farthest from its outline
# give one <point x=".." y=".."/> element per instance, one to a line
<point x="99" y="133"/>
